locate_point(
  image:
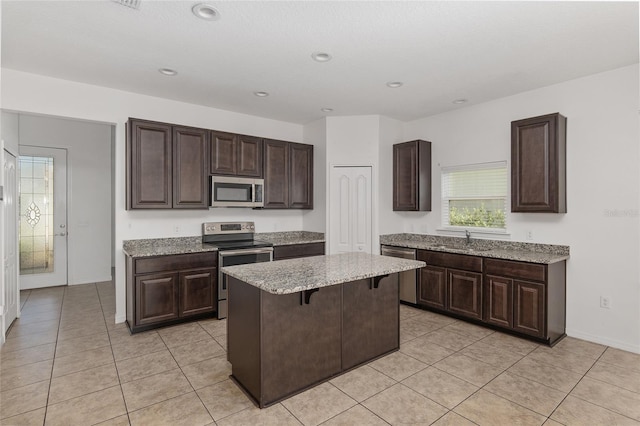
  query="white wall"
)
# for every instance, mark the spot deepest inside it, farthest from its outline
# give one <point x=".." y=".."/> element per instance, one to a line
<point x="89" y="204"/>
<point x="10" y="131"/>
<point x="602" y="177"/>
<point x="37" y="94"/>
<point x="315" y="133"/>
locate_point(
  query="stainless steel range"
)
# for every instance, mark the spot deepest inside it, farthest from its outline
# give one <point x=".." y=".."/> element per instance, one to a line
<point x="236" y="246"/>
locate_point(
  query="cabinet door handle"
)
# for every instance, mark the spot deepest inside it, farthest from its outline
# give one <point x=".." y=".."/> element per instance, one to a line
<point x="305" y="296"/>
<point x="375" y="281"/>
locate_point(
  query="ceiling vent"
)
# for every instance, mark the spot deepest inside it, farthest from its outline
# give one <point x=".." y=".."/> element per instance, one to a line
<point x="133" y="4"/>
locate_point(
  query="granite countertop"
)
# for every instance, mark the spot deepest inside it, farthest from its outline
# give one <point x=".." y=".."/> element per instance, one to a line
<point x="507" y="250"/>
<point x="290" y="237"/>
<point x="294" y="275"/>
<point x="165" y="246"/>
<point x="182" y="245"/>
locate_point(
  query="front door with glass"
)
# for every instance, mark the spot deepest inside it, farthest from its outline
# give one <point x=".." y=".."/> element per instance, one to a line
<point x="43" y="217"/>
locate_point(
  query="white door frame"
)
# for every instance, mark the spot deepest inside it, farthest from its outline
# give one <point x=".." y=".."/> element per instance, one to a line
<point x="372" y="203"/>
<point x="60" y="275"/>
<point x="9" y="291"/>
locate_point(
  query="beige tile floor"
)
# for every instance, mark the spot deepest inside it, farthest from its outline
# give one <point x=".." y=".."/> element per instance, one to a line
<point x="66" y="363"/>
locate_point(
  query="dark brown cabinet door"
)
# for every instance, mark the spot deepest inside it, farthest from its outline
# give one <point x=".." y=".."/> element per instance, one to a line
<point x="370" y="319"/>
<point x="224" y="151"/>
<point x="249" y="156"/>
<point x="276" y="174"/>
<point x="498" y="301"/>
<point x="529" y="308"/>
<point x="538" y="164"/>
<point x="412" y="176"/>
<point x="197" y="291"/>
<point x="306" y="340"/>
<point x="433" y="286"/>
<point x="149" y="165"/>
<point x="156" y="297"/>
<point x="464" y="291"/>
<point x="190" y="168"/>
<point x="300" y="176"/>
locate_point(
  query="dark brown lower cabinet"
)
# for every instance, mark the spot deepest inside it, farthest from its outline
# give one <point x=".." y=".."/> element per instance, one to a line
<point x="528" y="299"/>
<point x="164" y="290"/>
<point x="370" y="312"/>
<point x="451" y="283"/>
<point x="498" y="301"/>
<point x="197" y="291"/>
<point x="279" y="345"/>
<point x="157" y="299"/>
<point x="433" y="287"/>
<point x="464" y="291"/>
<point x="529" y="308"/>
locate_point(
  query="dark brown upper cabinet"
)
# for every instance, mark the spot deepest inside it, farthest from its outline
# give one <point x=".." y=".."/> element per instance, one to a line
<point x="235" y="155"/>
<point x="149" y="165"/>
<point x="190" y="171"/>
<point x="166" y="166"/>
<point x="412" y="176"/>
<point x="288" y="175"/>
<point x="538" y="164"/>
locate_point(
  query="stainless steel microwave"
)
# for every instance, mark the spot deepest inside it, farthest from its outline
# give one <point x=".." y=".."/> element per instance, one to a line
<point x="236" y="192"/>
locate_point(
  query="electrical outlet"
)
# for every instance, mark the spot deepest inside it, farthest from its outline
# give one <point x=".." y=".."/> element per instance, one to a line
<point x="176" y="229"/>
<point x="605" y="302"/>
<point x="529" y="235"/>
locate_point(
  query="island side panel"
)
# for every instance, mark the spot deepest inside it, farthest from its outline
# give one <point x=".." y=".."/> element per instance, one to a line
<point x="301" y="343"/>
<point x="243" y="335"/>
<point x="370" y="318"/>
<point x="556" y="301"/>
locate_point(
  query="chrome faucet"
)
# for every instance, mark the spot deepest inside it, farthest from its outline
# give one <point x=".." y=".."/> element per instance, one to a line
<point x="468" y="234"/>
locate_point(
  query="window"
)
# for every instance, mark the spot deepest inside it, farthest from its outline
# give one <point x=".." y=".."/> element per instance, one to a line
<point x="475" y="196"/>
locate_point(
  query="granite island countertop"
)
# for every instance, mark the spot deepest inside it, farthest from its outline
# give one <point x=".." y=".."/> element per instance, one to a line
<point x="294" y="275"/>
<point x="182" y="245"/>
<point x="496" y="249"/>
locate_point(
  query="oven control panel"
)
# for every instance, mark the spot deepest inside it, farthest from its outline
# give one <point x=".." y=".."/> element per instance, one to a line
<point x="221" y="228"/>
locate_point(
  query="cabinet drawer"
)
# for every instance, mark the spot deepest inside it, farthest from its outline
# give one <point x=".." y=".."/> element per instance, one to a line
<point x="520" y="270"/>
<point x="298" y="250"/>
<point x="450" y="260"/>
<point x="176" y="262"/>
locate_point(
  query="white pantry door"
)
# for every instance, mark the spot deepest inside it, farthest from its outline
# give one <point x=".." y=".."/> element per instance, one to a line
<point x="10" y="232"/>
<point x="43" y="217"/>
<point x="350" y="210"/>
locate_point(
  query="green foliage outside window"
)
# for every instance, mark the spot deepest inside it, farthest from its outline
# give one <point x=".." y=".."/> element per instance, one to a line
<point x="477" y="217"/>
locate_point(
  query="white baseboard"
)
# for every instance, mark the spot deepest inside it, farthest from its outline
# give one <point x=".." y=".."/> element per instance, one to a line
<point x="604" y="341"/>
<point x="120" y="318"/>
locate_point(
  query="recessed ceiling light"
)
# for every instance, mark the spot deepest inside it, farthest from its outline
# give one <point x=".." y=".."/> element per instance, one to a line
<point x="321" y="56"/>
<point x="206" y="11"/>
<point x="261" y="94"/>
<point x="168" y="71"/>
<point x="394" y="84"/>
<point x="326" y="109"/>
<point x="459" y="101"/>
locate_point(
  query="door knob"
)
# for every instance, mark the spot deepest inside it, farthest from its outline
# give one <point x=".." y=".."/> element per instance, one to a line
<point x="62" y="226"/>
<point x="62" y="234"/>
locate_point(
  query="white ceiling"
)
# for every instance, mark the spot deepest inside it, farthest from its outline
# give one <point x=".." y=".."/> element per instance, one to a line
<point x="441" y="51"/>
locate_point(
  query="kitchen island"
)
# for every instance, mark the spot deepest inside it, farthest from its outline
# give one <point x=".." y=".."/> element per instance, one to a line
<point x="295" y="323"/>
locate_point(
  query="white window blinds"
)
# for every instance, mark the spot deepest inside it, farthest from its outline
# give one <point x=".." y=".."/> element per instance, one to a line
<point x="475" y="195"/>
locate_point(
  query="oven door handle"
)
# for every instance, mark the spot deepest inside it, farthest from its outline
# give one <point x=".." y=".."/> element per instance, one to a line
<point x="245" y="251"/>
